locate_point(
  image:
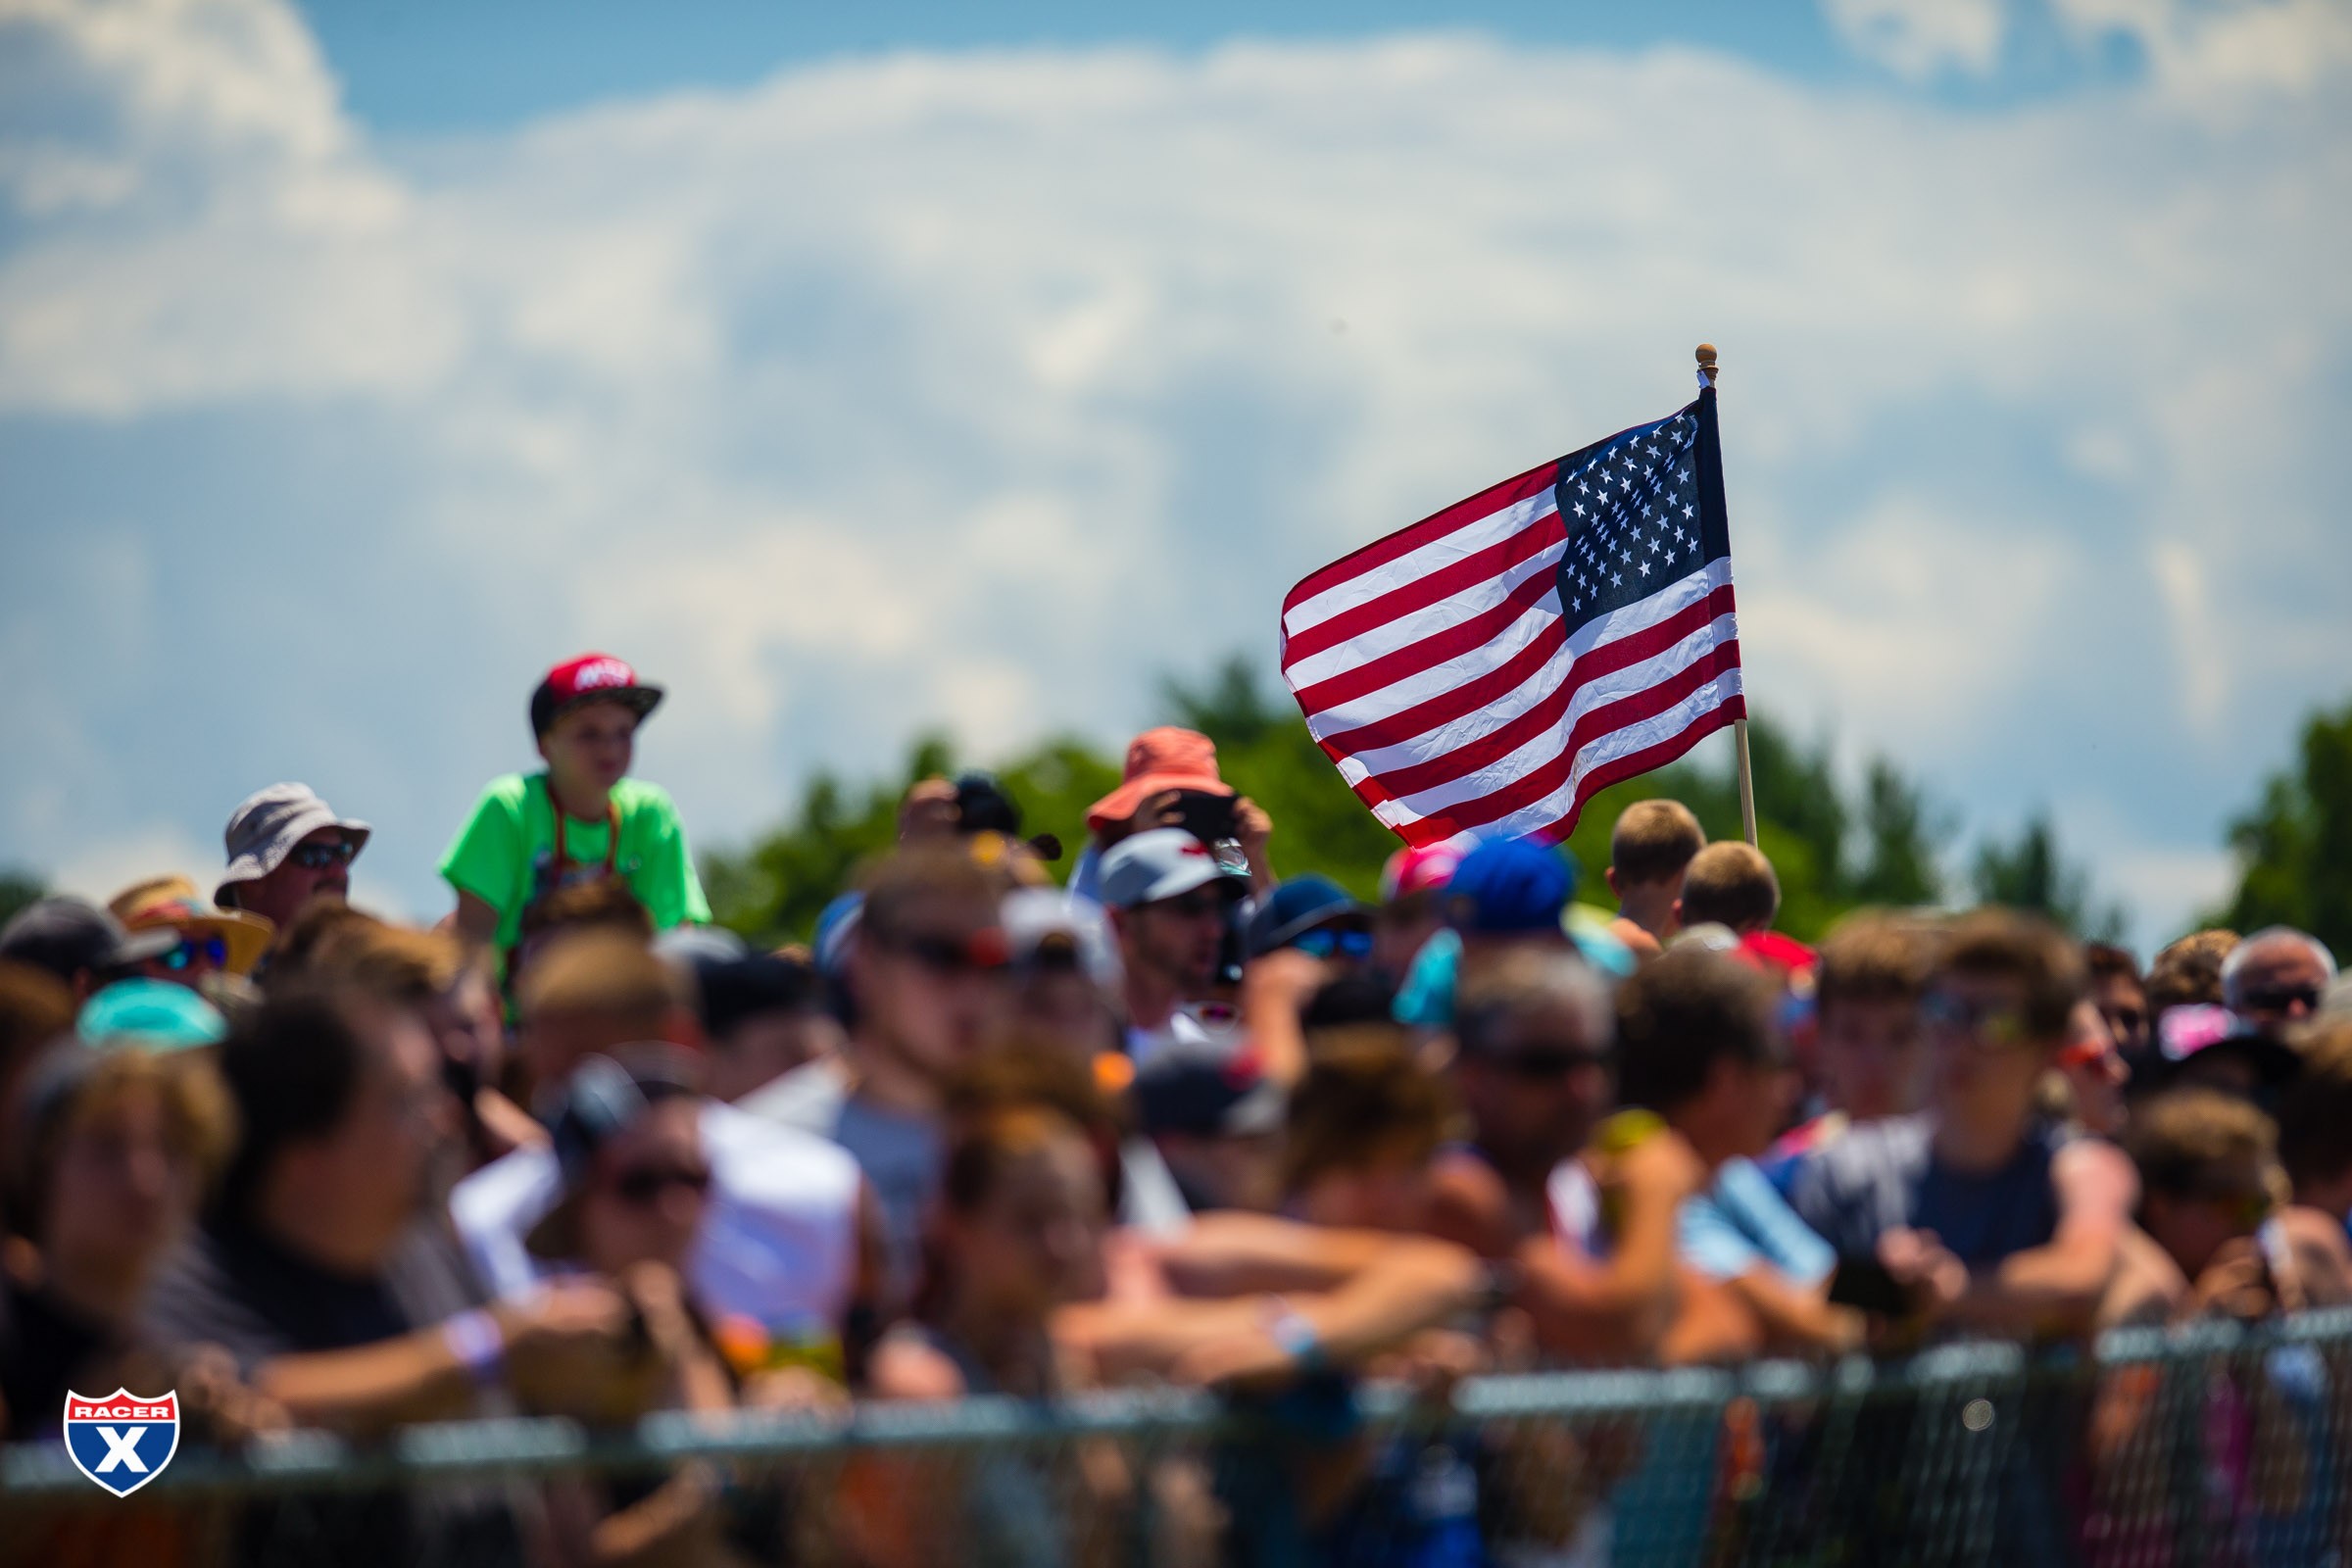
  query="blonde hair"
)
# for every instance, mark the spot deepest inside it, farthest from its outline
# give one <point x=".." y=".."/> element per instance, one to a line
<point x="1732" y="883"/>
<point x="1654" y="840"/>
<point x="2189" y="970"/>
<point x="398" y="962"/>
<point x="1872" y="956"/>
<point x="603" y="972"/>
<point x="2179" y="1137"/>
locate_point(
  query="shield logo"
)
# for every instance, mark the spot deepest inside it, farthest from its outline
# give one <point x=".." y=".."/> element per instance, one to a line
<point x="124" y="1440"/>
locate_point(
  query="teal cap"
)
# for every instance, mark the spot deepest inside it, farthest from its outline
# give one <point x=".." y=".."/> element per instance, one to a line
<point x="150" y="1015"/>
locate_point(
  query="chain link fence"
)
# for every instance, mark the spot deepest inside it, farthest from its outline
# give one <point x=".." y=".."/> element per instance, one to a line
<point x="2163" y="1448"/>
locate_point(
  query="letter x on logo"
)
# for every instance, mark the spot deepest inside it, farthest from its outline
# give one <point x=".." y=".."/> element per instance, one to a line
<point x="121" y="1448"/>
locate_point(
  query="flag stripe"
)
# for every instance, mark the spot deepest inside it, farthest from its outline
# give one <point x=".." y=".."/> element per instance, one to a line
<point x="1544" y="535"/>
<point x="1501" y="790"/>
<point x="1496" y="498"/>
<point x="1632" y="633"/>
<point x="1414" y="625"/>
<point x="1554" y="816"/>
<point x="1427" y="556"/>
<point x="1675" y="743"/>
<point x="1616" y="670"/>
<point x="1452" y="642"/>
<point x="1439" y="715"/>
<point x="1540" y="628"/>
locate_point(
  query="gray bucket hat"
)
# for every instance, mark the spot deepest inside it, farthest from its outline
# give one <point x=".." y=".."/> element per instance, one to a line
<point x="263" y="830"/>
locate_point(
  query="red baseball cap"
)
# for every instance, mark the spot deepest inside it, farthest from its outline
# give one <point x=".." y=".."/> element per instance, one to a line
<point x="590" y="677"/>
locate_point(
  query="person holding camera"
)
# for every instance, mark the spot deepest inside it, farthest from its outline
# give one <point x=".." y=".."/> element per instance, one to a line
<point x="1171" y="780"/>
<point x="1172" y="900"/>
<point x="636" y="1194"/>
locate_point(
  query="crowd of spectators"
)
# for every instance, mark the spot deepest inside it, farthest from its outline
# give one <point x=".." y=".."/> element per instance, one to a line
<point x="574" y="1151"/>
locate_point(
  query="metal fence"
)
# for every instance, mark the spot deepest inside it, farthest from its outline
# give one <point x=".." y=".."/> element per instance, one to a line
<point x="2211" y="1445"/>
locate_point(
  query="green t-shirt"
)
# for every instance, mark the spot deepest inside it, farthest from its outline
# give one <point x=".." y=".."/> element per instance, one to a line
<point x="505" y="853"/>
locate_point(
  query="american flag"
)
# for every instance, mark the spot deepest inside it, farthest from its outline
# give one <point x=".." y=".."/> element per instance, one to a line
<point x="1490" y="668"/>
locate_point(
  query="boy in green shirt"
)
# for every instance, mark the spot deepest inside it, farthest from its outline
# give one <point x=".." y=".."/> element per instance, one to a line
<point x="581" y="819"/>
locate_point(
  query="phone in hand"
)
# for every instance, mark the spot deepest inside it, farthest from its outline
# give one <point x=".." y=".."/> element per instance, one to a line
<point x="1866" y="1285"/>
<point x="1206" y="817"/>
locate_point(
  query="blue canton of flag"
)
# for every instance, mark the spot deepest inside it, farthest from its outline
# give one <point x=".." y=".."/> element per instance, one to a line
<point x="124" y="1440"/>
<point x="1633" y="509"/>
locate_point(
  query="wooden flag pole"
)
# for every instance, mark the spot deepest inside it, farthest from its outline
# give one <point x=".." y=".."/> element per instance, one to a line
<point x="1707" y="373"/>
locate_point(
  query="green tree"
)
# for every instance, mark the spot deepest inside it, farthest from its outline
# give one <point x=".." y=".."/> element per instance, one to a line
<point x="1900" y="835"/>
<point x="2034" y="874"/>
<point x="2294" y="847"/>
<point x="17" y="890"/>
<point x="774" y="891"/>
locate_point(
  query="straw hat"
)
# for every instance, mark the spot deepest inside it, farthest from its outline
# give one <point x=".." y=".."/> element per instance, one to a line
<point x="172" y="901"/>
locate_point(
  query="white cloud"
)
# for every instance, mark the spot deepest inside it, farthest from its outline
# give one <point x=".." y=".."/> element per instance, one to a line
<point x="1897" y="616"/>
<point x="982" y="389"/>
<point x="1918" y="39"/>
<point x="2212" y="49"/>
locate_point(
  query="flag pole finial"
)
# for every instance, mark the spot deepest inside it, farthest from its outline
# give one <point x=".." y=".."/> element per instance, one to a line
<point x="1706" y="363"/>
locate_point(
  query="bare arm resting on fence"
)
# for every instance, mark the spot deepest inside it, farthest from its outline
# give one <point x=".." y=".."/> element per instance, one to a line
<point x="2056" y="1288"/>
<point x="1798" y="1317"/>
<point x="559" y="1344"/>
<point x="1408" y="1284"/>
<point x="1228" y="1252"/>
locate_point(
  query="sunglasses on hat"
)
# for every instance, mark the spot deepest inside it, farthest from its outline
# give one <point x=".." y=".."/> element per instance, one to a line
<point x="1325" y="941"/>
<point x="194" y="949"/>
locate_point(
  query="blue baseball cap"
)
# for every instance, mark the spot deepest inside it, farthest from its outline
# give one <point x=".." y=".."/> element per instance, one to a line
<point x="1512" y="887"/>
<point x="1297" y="907"/>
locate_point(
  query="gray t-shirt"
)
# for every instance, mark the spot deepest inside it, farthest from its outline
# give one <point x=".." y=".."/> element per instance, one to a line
<point x="1883" y="1175"/>
<point x="900" y="1154"/>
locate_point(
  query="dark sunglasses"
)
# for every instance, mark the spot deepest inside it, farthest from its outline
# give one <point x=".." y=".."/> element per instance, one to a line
<point x="2282" y="998"/>
<point x="1994" y="1026"/>
<point x="319" y="856"/>
<point x="982" y="952"/>
<point x="642" y="1185"/>
<point x="1325" y="941"/>
<point x="1194" y="906"/>
<point x="192" y="949"/>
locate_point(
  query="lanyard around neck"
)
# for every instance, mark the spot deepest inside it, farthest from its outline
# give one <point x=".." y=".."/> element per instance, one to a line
<point x="612" y="832"/>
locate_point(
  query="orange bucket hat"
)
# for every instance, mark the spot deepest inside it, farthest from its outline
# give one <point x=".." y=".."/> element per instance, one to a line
<point x="1163" y="759"/>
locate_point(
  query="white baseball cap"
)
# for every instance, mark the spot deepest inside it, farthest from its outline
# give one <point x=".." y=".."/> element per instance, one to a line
<point x="1165" y="863"/>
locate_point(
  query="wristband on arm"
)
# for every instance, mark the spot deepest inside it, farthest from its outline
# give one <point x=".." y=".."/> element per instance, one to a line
<point x="1295" y="1335"/>
<point x="479" y="1345"/>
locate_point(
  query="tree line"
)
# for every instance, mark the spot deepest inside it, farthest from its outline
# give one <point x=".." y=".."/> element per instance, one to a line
<point x="1879" y="840"/>
<point x="1838" y="846"/>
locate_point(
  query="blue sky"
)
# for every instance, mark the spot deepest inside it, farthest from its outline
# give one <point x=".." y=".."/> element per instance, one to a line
<point x="857" y="370"/>
<point x="442" y="65"/>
